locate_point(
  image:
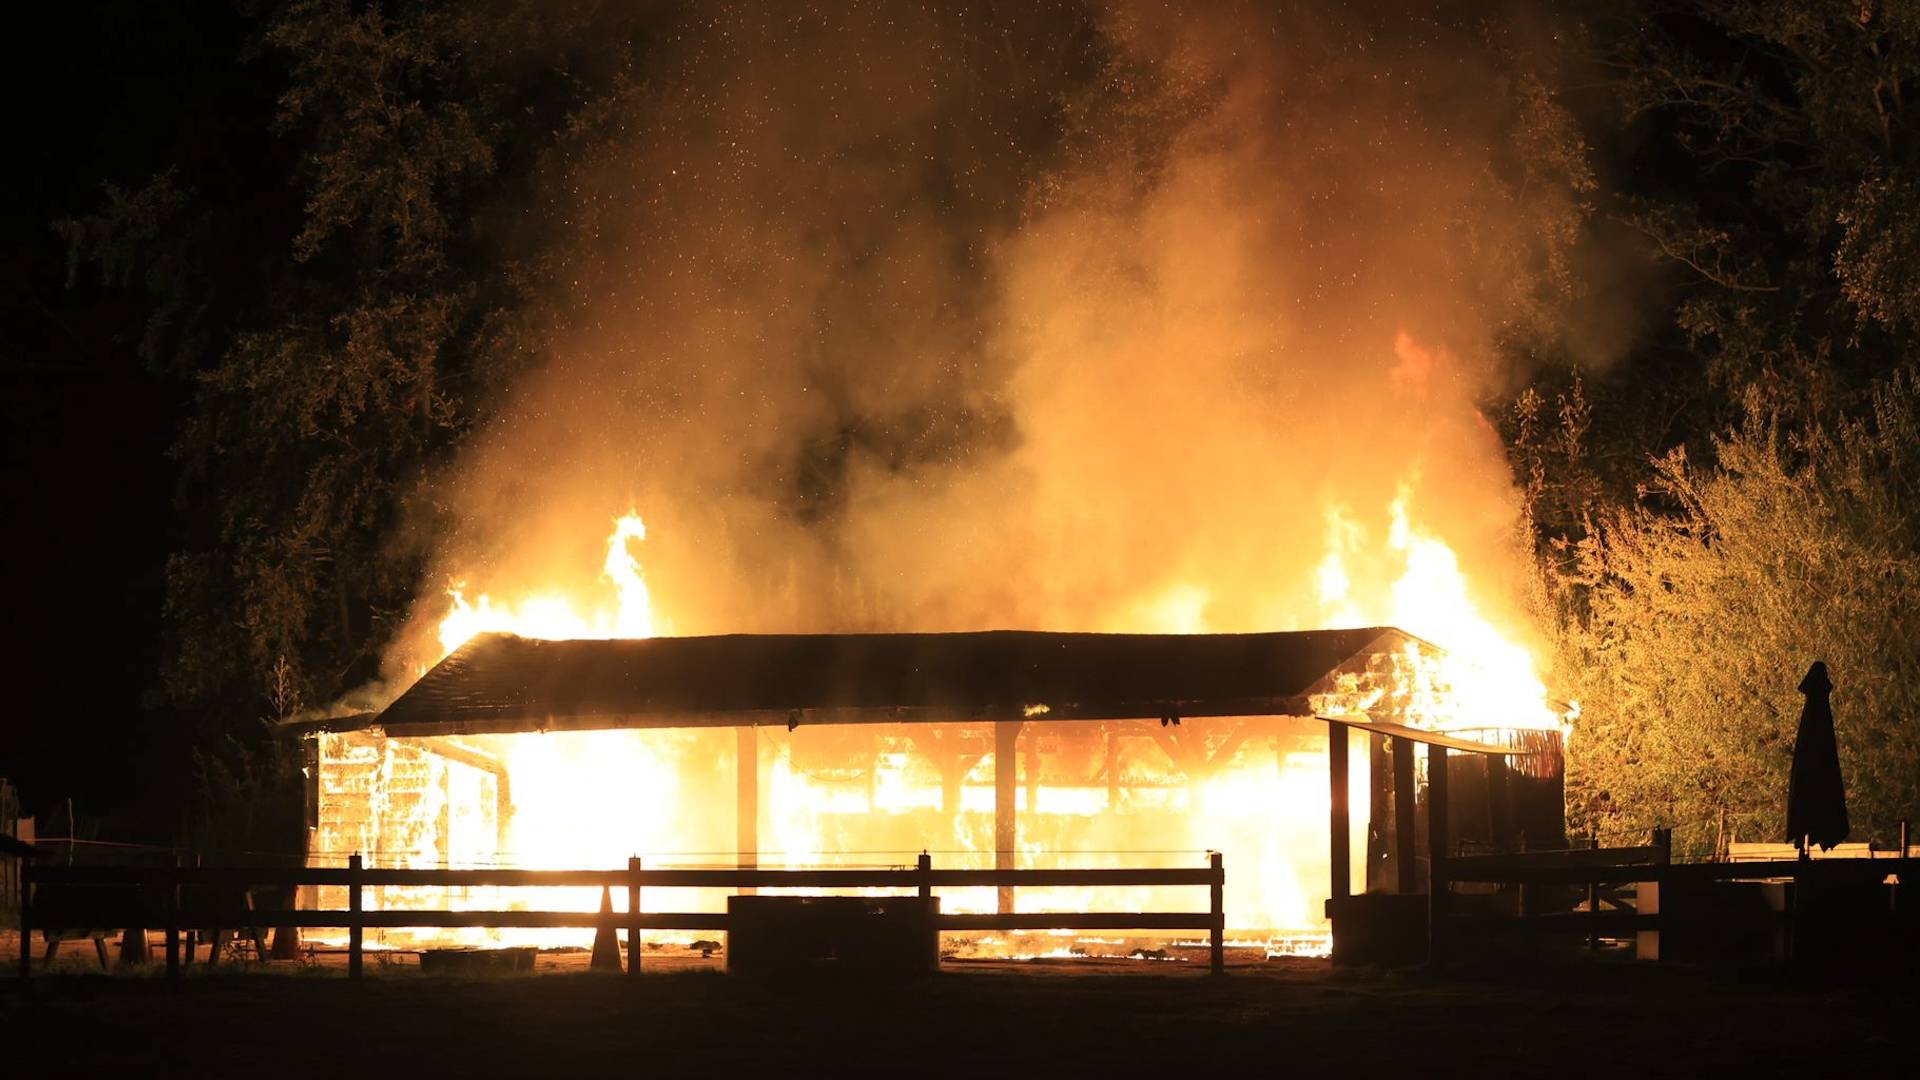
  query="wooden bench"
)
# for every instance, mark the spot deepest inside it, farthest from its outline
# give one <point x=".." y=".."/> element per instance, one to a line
<point x="210" y="913"/>
<point x="68" y="912"/>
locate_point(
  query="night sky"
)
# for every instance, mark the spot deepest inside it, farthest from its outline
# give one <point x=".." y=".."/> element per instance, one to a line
<point x="87" y="427"/>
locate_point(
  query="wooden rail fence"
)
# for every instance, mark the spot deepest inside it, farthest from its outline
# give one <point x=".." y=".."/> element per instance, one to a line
<point x="162" y="897"/>
<point x="1603" y="871"/>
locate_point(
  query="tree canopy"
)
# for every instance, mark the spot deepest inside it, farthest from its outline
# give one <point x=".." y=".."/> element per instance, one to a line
<point x="1770" y="521"/>
<point x="367" y="328"/>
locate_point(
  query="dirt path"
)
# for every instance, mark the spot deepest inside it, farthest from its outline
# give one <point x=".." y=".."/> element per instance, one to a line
<point x="1057" y="1018"/>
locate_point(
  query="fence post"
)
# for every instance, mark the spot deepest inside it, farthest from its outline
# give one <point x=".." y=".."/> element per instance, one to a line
<point x="354" y="927"/>
<point x="924" y="867"/>
<point x="1593" y="904"/>
<point x="172" y="878"/>
<point x="26" y="916"/>
<point x="1903" y="838"/>
<point x="190" y="939"/>
<point x="1646" y="900"/>
<point x="633" y="916"/>
<point x="1339" y="819"/>
<point x="1217" y="921"/>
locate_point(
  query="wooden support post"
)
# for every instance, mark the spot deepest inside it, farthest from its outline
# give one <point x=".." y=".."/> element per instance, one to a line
<point x="1006" y="821"/>
<point x="1217" y="927"/>
<point x="1499" y="804"/>
<point x="1192" y="764"/>
<point x="1903" y="841"/>
<point x="1405" y="853"/>
<point x="443" y="825"/>
<point x="1339" y="819"/>
<point x="1033" y="772"/>
<point x="953" y="775"/>
<point x="746" y="829"/>
<point x="633" y="916"/>
<point x="925" y="866"/>
<point x="1437" y="887"/>
<point x="1379" y="784"/>
<point x="355" y="931"/>
<point x="172" y="916"/>
<point x="946" y="751"/>
<point x="26" y="916"/>
<point x="1113" y="770"/>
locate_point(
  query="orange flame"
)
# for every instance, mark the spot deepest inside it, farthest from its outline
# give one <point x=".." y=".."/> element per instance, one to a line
<point x="552" y="616"/>
<point x="592" y="798"/>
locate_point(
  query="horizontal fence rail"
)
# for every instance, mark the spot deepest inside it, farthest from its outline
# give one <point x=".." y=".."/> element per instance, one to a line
<point x="1602" y="870"/>
<point x="660" y="879"/>
<point x="1506" y="870"/>
<point x="164" y="898"/>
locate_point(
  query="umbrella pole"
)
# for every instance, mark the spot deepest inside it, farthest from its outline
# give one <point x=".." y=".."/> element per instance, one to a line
<point x="1793" y="910"/>
<point x="1896" y="892"/>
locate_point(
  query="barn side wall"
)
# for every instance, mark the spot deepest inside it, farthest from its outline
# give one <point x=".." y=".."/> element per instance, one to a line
<point x="398" y="804"/>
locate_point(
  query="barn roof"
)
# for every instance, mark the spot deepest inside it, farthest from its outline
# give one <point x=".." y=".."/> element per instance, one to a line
<point x="503" y="683"/>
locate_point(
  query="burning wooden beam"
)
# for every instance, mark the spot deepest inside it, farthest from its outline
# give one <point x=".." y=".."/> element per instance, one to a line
<point x="1006" y="822"/>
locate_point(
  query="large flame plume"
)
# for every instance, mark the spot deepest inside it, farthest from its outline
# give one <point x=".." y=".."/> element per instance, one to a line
<point x="886" y="329"/>
<point x="587" y="798"/>
<point x="554" y="615"/>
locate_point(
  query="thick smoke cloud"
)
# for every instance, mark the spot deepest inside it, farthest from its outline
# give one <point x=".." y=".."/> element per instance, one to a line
<point x="1102" y="320"/>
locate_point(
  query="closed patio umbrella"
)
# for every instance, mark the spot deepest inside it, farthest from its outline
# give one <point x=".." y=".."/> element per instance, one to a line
<point x="1816" y="796"/>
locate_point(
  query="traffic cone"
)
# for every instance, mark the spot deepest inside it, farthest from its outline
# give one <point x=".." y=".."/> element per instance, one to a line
<point x="606" y="943"/>
<point x="286" y="939"/>
<point x="133" y="948"/>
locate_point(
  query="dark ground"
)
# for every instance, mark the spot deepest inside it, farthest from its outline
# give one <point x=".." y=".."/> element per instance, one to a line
<point x="1292" y="1017"/>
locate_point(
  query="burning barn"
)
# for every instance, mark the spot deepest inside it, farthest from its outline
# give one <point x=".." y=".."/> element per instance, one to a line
<point x="995" y="749"/>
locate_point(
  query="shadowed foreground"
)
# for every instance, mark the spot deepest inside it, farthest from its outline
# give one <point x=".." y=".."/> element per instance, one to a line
<point x="992" y="1018"/>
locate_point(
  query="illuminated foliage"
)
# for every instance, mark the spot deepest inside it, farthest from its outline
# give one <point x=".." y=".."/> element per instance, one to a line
<point x="1708" y="601"/>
